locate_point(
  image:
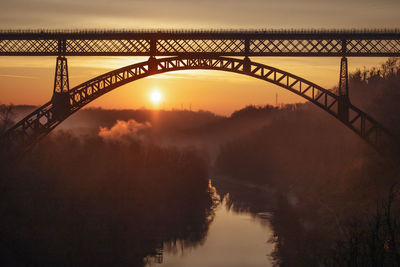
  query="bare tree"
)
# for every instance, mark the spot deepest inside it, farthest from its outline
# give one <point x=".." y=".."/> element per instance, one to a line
<point x="6" y="117"/>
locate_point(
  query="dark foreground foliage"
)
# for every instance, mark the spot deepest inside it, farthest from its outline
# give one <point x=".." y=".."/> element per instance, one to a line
<point x="90" y="202"/>
<point x="337" y="201"/>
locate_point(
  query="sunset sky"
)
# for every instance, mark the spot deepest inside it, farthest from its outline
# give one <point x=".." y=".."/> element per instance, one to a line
<point x="29" y="80"/>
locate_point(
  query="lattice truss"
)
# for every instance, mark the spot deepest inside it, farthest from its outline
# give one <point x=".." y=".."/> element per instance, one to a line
<point x="32" y="128"/>
<point x="43" y="120"/>
<point x="85" y="92"/>
<point x="373" y="46"/>
<point x="324" y="46"/>
<point x="108" y="46"/>
<point x="231" y="47"/>
<point x="182" y="46"/>
<point x="370" y="130"/>
<point x="28" y="46"/>
<point x="76" y="47"/>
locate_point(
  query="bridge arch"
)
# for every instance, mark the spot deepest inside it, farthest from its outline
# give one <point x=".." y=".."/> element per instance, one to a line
<point x="40" y="122"/>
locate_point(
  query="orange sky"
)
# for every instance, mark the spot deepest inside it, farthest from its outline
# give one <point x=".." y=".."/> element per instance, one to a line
<point x="29" y="80"/>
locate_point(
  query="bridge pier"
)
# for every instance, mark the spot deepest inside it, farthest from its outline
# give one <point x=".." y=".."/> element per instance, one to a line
<point x="343" y="91"/>
<point x="61" y="97"/>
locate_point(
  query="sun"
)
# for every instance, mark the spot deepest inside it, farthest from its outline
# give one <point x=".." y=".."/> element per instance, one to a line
<point x="155" y="97"/>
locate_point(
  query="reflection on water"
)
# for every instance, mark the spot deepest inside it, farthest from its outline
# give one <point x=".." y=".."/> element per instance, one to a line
<point x="233" y="239"/>
<point x="113" y="229"/>
<point x="236" y="237"/>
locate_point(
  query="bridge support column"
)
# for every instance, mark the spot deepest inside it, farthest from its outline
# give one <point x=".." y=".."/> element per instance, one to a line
<point x="247" y="65"/>
<point x="152" y="60"/>
<point x="152" y="64"/>
<point x="343" y="91"/>
<point x="247" y="62"/>
<point x="61" y="98"/>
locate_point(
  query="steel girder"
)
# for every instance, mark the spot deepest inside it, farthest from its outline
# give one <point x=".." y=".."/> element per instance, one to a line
<point x="40" y="122"/>
<point x="201" y="43"/>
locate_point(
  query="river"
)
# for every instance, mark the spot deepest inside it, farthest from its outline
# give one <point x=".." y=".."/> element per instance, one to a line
<point x="234" y="238"/>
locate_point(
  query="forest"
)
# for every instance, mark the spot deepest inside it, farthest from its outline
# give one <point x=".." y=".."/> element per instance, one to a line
<point x="338" y="199"/>
<point x="142" y="176"/>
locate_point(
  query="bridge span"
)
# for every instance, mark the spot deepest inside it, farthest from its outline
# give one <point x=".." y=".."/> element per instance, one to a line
<point x="198" y="49"/>
<point x="321" y="43"/>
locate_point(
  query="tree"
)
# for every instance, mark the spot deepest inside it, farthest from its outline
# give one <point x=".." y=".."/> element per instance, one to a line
<point x="6" y="117"/>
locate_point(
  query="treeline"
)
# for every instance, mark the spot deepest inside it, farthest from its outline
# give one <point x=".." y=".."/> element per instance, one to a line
<point x="338" y="200"/>
<point x="377" y="91"/>
<point x="88" y="120"/>
<point x="87" y="201"/>
<point x="6" y="117"/>
<point x="298" y="141"/>
<point x="386" y="71"/>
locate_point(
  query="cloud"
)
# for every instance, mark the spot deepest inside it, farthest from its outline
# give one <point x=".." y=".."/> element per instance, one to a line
<point x="17" y="76"/>
<point x="125" y="130"/>
<point x="198" y="14"/>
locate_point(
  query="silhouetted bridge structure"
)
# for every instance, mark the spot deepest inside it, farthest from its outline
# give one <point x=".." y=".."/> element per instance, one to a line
<point x="184" y="50"/>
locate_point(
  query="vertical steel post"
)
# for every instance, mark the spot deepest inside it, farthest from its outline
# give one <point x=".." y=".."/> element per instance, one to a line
<point x="343" y="90"/>
<point x="152" y="60"/>
<point x="61" y="80"/>
<point x="344" y="79"/>
<point x="61" y="98"/>
<point x="247" y="62"/>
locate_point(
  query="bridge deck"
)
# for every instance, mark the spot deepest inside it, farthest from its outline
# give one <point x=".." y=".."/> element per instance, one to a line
<point x="361" y="43"/>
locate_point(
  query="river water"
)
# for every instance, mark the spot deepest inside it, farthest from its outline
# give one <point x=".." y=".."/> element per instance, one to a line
<point x="234" y="239"/>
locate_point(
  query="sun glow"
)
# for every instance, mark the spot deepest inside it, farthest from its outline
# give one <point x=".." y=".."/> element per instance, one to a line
<point x="155" y="97"/>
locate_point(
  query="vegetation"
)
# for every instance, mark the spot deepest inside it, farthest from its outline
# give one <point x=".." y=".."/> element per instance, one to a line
<point x="90" y="201"/>
<point x="377" y="90"/>
<point x="334" y="201"/>
<point x="338" y="200"/>
<point x="6" y="117"/>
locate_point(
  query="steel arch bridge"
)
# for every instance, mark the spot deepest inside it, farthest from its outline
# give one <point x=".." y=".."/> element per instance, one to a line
<point x="197" y="50"/>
